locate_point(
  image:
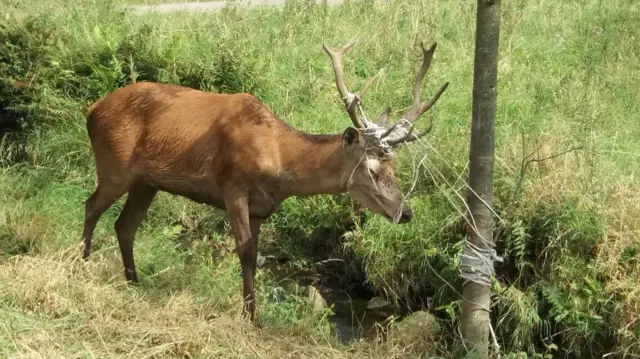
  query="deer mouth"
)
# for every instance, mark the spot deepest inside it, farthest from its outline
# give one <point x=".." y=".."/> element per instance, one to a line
<point x="404" y="217"/>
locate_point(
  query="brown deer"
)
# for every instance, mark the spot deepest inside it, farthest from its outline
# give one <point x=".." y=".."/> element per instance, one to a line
<point x="232" y="152"/>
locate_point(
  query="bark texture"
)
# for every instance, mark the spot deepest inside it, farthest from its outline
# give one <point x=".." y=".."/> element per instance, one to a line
<point x="476" y="305"/>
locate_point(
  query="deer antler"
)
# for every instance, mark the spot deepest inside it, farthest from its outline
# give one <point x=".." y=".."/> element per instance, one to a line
<point x="352" y="102"/>
<point x="417" y="108"/>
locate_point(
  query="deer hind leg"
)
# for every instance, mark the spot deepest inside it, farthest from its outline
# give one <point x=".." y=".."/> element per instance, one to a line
<point x="135" y="209"/>
<point x="102" y="198"/>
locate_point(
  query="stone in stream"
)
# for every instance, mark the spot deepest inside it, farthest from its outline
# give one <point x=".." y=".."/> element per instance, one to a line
<point x="377" y="303"/>
<point x="261" y="260"/>
<point x="380" y="307"/>
<point x="419" y="326"/>
<point x="318" y="303"/>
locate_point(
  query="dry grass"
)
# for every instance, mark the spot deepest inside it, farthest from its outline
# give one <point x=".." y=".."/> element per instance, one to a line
<point x="56" y="305"/>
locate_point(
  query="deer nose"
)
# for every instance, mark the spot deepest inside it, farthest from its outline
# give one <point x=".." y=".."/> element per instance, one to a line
<point x="406" y="216"/>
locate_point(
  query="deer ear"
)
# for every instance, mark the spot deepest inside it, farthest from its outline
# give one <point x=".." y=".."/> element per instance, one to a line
<point x="350" y="139"/>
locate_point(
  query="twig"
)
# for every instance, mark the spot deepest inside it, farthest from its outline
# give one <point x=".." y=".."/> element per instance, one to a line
<point x="526" y="162"/>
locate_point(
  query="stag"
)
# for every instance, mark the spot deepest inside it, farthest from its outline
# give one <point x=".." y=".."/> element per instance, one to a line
<point x="232" y="152"/>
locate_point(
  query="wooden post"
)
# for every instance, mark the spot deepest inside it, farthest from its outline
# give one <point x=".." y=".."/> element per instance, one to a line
<point x="475" y="319"/>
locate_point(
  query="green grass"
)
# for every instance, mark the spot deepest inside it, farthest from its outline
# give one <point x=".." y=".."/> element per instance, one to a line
<point x="155" y="2"/>
<point x="568" y="76"/>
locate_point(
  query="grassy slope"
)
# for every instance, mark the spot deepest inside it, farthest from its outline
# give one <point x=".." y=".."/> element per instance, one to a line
<point x="154" y="2"/>
<point x="567" y="78"/>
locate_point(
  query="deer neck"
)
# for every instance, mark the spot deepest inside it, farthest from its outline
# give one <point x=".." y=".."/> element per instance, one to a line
<point x="314" y="164"/>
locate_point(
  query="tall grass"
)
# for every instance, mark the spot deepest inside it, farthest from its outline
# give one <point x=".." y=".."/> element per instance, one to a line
<point x="568" y="223"/>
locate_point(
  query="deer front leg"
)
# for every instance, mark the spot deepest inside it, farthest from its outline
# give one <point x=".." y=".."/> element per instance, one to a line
<point x="255" y="231"/>
<point x="238" y="208"/>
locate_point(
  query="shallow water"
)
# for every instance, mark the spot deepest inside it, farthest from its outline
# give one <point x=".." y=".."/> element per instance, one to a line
<point x="351" y="319"/>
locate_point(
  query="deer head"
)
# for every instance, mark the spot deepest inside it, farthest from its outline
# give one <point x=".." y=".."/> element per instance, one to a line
<point x="370" y="144"/>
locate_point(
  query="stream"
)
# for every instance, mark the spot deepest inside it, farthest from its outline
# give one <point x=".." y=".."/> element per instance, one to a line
<point x="357" y="313"/>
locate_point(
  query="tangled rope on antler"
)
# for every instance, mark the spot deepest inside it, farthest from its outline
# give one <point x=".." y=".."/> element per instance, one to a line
<point x="372" y="140"/>
<point x="381" y="138"/>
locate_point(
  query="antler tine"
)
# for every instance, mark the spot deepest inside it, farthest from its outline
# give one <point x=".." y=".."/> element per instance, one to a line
<point x="395" y="142"/>
<point x="418" y="109"/>
<point x="336" y="61"/>
<point x="350" y="100"/>
<point x="409" y="136"/>
<point x="367" y="85"/>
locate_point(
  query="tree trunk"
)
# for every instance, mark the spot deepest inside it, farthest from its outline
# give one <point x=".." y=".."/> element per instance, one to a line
<point x="475" y="320"/>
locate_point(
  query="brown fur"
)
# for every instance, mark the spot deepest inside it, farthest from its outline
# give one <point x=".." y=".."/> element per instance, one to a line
<point x="226" y="150"/>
